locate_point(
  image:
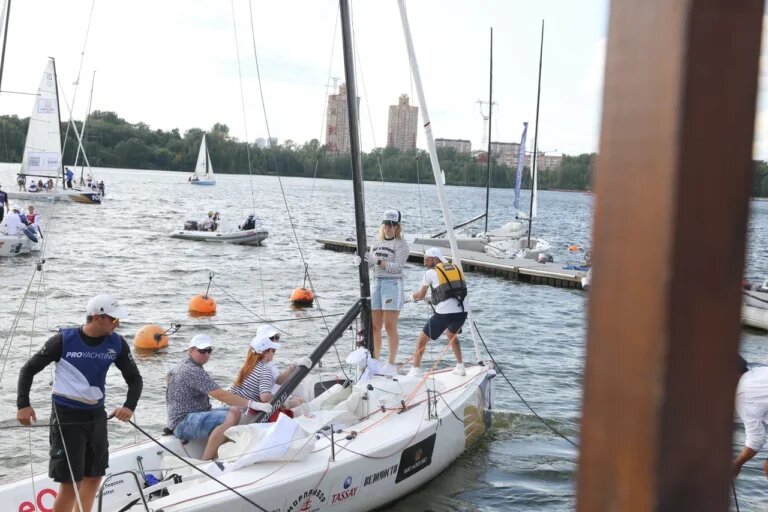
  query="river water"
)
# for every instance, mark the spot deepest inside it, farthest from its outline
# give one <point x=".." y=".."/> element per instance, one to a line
<point x="536" y="333"/>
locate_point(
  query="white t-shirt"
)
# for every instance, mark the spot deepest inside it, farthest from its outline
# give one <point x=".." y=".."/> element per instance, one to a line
<point x="752" y="405"/>
<point x="13" y="224"/>
<point x="449" y="305"/>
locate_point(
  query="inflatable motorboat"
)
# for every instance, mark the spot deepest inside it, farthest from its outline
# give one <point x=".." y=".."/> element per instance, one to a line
<point x="250" y="233"/>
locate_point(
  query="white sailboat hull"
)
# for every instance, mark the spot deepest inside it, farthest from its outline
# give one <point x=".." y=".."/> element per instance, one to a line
<point x="390" y="454"/>
<point x="247" y="237"/>
<point x="202" y="182"/>
<point x="496" y="246"/>
<point x="16" y="245"/>
<point x="71" y="195"/>
<point x="754" y="309"/>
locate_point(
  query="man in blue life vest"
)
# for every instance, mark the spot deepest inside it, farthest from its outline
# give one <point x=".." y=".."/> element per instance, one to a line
<point x="448" y="299"/>
<point x="69" y="177"/>
<point x="79" y="446"/>
<point x="3" y="203"/>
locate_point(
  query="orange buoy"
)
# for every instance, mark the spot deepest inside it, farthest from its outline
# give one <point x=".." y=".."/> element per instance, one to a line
<point x="302" y="297"/>
<point x="151" y="337"/>
<point x="573" y="248"/>
<point x="202" y="305"/>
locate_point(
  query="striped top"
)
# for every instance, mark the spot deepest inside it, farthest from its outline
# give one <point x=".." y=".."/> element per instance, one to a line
<point x="260" y="380"/>
<point x="394" y="253"/>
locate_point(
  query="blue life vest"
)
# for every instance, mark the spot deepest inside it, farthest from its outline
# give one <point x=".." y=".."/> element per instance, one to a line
<point x="81" y="373"/>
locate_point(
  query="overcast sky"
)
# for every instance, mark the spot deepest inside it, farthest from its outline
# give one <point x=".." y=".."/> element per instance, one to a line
<point x="174" y="64"/>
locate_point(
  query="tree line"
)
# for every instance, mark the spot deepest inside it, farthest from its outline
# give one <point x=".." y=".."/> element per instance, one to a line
<point x="111" y="141"/>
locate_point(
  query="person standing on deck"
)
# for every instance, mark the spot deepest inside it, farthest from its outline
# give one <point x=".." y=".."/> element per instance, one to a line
<point x="83" y="355"/>
<point x="752" y="408"/>
<point x="448" y="300"/>
<point x="3" y="203"/>
<point x="69" y="177"/>
<point x="389" y="253"/>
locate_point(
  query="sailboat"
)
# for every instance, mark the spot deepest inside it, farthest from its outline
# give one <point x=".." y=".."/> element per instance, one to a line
<point x="513" y="239"/>
<point x="358" y="446"/>
<point x="42" y="173"/>
<point x="203" y="174"/>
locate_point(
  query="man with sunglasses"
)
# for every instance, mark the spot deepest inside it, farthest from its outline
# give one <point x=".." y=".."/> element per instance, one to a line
<point x="188" y="397"/>
<point x="83" y="355"/>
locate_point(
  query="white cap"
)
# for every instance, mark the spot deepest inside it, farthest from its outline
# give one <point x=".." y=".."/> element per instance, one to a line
<point x="201" y="341"/>
<point x="435" y="252"/>
<point x="261" y="345"/>
<point x="105" y="305"/>
<point x="391" y="217"/>
<point x="266" y="331"/>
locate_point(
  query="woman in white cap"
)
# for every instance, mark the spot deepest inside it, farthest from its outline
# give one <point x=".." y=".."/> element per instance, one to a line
<point x="258" y="376"/>
<point x="389" y="252"/>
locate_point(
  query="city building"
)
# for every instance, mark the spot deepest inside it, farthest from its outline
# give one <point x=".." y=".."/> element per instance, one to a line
<point x="337" y="124"/>
<point x="401" y="129"/>
<point x="460" y="145"/>
<point x="544" y="161"/>
<point x="505" y="153"/>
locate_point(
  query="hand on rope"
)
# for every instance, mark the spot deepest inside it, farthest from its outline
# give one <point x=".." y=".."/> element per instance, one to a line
<point x="259" y="406"/>
<point x="26" y="416"/>
<point x="305" y="361"/>
<point x="122" y="413"/>
<point x="409" y="298"/>
<point x="356" y="260"/>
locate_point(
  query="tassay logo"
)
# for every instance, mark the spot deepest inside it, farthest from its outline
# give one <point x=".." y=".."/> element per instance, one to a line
<point x="347" y="493"/>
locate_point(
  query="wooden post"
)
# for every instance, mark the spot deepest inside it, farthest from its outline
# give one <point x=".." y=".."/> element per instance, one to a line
<point x="672" y="188"/>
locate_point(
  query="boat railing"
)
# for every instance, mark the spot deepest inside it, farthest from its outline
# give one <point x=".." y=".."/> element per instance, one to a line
<point x="130" y="500"/>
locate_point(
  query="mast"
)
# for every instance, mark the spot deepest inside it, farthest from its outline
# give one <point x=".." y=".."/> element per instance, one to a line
<point x="534" y="168"/>
<point x="7" y="15"/>
<point x="58" y="114"/>
<point x="357" y="172"/>
<point x="433" y="153"/>
<point x="205" y="143"/>
<point x="490" y="136"/>
<point x="82" y="132"/>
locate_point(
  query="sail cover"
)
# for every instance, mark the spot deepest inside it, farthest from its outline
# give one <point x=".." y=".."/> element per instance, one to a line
<point x="520" y="164"/>
<point x="42" y="151"/>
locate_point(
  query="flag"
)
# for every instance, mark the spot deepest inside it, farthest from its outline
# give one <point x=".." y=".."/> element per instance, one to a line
<point x="520" y="164"/>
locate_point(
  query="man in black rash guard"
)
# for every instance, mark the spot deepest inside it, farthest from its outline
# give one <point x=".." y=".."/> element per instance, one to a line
<point x="83" y="355"/>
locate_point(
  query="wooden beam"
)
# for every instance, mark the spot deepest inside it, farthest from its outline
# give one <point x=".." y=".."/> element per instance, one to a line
<point x="672" y="189"/>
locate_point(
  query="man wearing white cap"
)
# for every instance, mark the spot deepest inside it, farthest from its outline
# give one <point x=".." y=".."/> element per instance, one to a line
<point x="190" y="415"/>
<point x="83" y="355"/>
<point x="448" y="298"/>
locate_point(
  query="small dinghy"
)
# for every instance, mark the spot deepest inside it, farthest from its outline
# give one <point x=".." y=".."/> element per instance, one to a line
<point x="251" y="232"/>
<point x="754" y="307"/>
<point x="203" y="174"/>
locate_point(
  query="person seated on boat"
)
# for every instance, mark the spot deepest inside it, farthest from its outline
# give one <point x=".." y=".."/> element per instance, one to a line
<point x="3" y="203"/>
<point x="88" y="180"/>
<point x="250" y="223"/>
<point x="17" y="223"/>
<point x="259" y="377"/>
<point x="79" y="441"/>
<point x="40" y="185"/>
<point x="216" y="218"/>
<point x="188" y="399"/>
<point x="50" y="185"/>
<point x="32" y="215"/>
<point x="21" y="181"/>
<point x="207" y="223"/>
<point x="69" y="176"/>
<point x="752" y="408"/>
<point x="449" y="302"/>
<point x="389" y="253"/>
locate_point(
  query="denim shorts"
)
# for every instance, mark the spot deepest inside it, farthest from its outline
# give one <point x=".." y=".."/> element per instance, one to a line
<point x="387" y="294"/>
<point x="198" y="425"/>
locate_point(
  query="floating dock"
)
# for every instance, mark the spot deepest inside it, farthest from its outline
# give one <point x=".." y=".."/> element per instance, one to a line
<point x="528" y="271"/>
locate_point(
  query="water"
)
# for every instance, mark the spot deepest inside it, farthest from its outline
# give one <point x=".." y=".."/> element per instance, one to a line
<point x="536" y="333"/>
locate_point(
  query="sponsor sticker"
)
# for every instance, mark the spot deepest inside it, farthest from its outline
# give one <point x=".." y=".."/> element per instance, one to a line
<point x="415" y="458"/>
<point x="305" y="501"/>
<point x="379" y="475"/>
<point x="348" y="492"/>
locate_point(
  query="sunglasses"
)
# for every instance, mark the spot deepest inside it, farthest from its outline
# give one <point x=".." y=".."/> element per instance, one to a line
<point x="205" y="350"/>
<point x="112" y="319"/>
<point x="276" y="337"/>
<point x="273" y="350"/>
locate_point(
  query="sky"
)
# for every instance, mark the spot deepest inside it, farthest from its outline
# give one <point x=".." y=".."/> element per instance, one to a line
<point x="183" y="64"/>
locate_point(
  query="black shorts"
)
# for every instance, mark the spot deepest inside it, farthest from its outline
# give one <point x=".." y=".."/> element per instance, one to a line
<point x="85" y="440"/>
<point x="439" y="323"/>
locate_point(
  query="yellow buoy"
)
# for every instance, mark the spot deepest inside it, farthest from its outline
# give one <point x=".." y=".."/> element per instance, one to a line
<point x="302" y="297"/>
<point x="151" y="337"/>
<point x="202" y="305"/>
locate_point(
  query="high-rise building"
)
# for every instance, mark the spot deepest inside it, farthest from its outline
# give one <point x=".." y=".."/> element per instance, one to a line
<point x="460" y="145"/>
<point x="505" y="152"/>
<point x="401" y="129"/>
<point x="337" y="124"/>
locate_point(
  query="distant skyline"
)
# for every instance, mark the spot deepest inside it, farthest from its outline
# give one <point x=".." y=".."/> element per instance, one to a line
<point x="174" y="64"/>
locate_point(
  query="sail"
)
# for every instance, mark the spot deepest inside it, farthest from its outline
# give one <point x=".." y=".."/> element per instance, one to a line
<point x="210" y="164"/>
<point x="520" y="165"/>
<point x="201" y="169"/>
<point x="42" y="151"/>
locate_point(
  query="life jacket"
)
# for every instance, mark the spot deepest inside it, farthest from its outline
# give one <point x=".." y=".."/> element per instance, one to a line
<point x="81" y="373"/>
<point x="451" y="284"/>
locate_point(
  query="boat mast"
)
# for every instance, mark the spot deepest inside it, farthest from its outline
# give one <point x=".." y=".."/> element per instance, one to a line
<point x="82" y="132"/>
<point x="433" y="153"/>
<point x="58" y="114"/>
<point x="357" y="172"/>
<point x="488" y="154"/>
<point x="7" y="15"/>
<point x="205" y="144"/>
<point x="534" y="167"/>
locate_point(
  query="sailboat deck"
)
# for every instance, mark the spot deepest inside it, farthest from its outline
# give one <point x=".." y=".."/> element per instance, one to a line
<point x="529" y="271"/>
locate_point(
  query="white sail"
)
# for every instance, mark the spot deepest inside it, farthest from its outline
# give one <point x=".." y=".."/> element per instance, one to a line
<point x="42" y="151"/>
<point x="203" y="167"/>
<point x="210" y="165"/>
